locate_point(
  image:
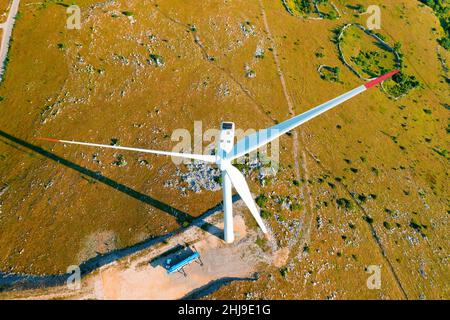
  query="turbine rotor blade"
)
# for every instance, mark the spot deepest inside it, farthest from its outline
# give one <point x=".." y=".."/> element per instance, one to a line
<point x="201" y="157"/>
<point x="255" y="140"/>
<point x="239" y="183"/>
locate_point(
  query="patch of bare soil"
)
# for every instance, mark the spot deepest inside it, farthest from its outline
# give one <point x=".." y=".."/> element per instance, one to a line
<point x="142" y="281"/>
<point x="97" y="243"/>
<point x="280" y="257"/>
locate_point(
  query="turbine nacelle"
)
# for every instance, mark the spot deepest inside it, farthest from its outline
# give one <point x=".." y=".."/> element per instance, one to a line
<point x="225" y="145"/>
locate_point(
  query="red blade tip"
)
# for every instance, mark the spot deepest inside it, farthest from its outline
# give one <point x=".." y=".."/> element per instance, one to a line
<point x="48" y="139"/>
<point x="376" y="81"/>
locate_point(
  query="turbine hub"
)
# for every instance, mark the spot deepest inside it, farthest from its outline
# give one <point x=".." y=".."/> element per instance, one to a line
<point x="223" y="164"/>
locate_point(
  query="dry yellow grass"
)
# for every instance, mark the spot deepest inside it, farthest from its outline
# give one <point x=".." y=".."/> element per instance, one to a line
<point x="95" y="84"/>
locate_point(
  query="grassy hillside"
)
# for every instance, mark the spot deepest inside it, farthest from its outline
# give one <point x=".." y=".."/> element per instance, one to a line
<point x="367" y="184"/>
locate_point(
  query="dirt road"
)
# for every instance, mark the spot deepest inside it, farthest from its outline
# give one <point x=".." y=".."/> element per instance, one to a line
<point x="7" y="31"/>
<point x="143" y="276"/>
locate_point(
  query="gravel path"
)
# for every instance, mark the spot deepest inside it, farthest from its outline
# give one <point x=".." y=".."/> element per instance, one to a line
<point x="295" y="136"/>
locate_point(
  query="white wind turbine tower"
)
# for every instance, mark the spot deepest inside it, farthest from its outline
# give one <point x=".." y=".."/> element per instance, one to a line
<point x="227" y="152"/>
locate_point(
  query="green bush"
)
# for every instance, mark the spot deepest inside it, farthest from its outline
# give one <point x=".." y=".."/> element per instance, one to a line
<point x="261" y="242"/>
<point x="330" y="73"/>
<point x="120" y="161"/>
<point x="368" y="219"/>
<point x="284" y="271"/>
<point x="403" y="83"/>
<point x="303" y="6"/>
<point x="185" y="224"/>
<point x="157" y="60"/>
<point x="442" y="11"/>
<point x="362" y="198"/>
<point x="357" y="7"/>
<point x="265" y="214"/>
<point x="344" y="203"/>
<point x="261" y="200"/>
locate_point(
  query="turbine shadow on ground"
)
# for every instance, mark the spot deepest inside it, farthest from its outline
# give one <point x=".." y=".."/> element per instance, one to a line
<point x="17" y="281"/>
<point x="215" y="285"/>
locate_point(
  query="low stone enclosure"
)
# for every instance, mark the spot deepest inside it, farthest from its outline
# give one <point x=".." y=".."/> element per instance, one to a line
<point x="383" y="44"/>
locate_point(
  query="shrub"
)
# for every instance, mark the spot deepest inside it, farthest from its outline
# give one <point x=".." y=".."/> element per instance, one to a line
<point x="192" y="27"/>
<point x="330" y="73"/>
<point x="416" y="225"/>
<point x="442" y="152"/>
<point x="186" y="224"/>
<point x="387" y="225"/>
<point x="362" y="198"/>
<point x="266" y="214"/>
<point x="403" y="83"/>
<point x="357" y="7"/>
<point x="120" y="161"/>
<point x="441" y="10"/>
<point x="261" y="242"/>
<point x="368" y="219"/>
<point x="284" y="271"/>
<point x="261" y="200"/>
<point x="445" y="42"/>
<point x="344" y="203"/>
<point x="303" y="6"/>
<point x="374" y="170"/>
<point x="218" y="179"/>
<point x="156" y="60"/>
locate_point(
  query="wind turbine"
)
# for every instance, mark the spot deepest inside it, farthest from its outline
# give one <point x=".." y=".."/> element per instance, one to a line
<point x="228" y="151"/>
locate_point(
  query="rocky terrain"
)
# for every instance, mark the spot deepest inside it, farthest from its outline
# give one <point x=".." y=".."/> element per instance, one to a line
<point x="363" y="185"/>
